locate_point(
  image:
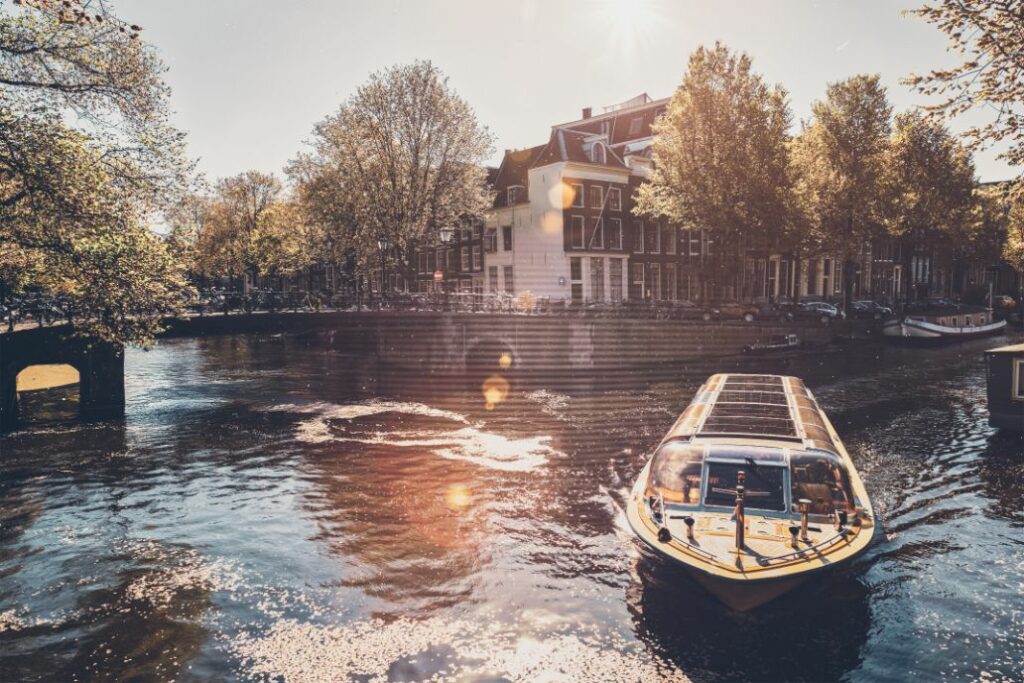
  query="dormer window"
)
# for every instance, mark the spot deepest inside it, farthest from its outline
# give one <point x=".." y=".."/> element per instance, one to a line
<point x="514" y="194"/>
<point x="635" y="124"/>
<point x="598" y="154"/>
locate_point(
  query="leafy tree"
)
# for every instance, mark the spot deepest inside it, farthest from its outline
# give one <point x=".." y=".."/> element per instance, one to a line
<point x="803" y="229"/>
<point x="400" y="159"/>
<point x="230" y="225"/>
<point x="75" y="201"/>
<point x="929" y="184"/>
<point x="846" y="143"/>
<point x="989" y="34"/>
<point x="1013" y="249"/>
<point x="720" y="158"/>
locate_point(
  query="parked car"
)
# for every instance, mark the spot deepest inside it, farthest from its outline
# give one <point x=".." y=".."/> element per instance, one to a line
<point x="821" y="311"/>
<point x="1003" y="302"/>
<point x="688" y="310"/>
<point x="869" y="309"/>
<point x="738" y="310"/>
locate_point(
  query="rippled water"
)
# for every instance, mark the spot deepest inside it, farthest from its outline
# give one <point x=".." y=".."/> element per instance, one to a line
<point x="272" y="508"/>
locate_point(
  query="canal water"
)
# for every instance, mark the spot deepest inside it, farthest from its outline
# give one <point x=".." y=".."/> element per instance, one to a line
<point x="272" y="508"/>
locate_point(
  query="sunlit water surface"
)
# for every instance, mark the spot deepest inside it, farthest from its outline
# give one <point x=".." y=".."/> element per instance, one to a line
<point x="272" y="508"/>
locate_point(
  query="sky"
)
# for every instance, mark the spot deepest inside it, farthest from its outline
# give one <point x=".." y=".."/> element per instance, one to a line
<point x="250" y="78"/>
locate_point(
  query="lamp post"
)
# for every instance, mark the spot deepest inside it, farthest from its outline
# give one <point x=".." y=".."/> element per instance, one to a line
<point x="382" y="244"/>
<point x="447" y="233"/>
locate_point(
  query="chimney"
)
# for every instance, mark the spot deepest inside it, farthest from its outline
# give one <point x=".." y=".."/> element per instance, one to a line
<point x="586" y="112"/>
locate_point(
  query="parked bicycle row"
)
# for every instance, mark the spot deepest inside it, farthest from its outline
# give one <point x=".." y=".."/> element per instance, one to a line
<point x="41" y="310"/>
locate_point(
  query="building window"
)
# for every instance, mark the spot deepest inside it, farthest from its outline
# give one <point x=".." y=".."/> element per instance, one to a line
<point x="576" y="276"/>
<point x="694" y="242"/>
<point x="653" y="239"/>
<point x="492" y="278"/>
<point x="577" y="196"/>
<point x="638" y="237"/>
<point x="576" y="232"/>
<point x="440" y="258"/>
<point x="598" y="154"/>
<point x="614" y="199"/>
<point x="597" y="233"/>
<point x="596" y="197"/>
<point x="478" y="231"/>
<point x="513" y="195"/>
<point x="467" y="234"/>
<point x="671" y="286"/>
<point x="423" y="263"/>
<point x="509" y="282"/>
<point x="506" y="238"/>
<point x="464" y="259"/>
<point x="491" y="240"/>
<point x="655" y="281"/>
<point x="637" y="277"/>
<point x="1018" y="379"/>
<point x="615" y="233"/>
<point x="597" y="279"/>
<point x="635" y="125"/>
<point x="669" y="239"/>
<point x="615" y="278"/>
<point x="477" y="259"/>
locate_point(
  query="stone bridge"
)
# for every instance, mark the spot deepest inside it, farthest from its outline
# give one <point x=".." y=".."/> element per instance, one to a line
<point x="100" y="367"/>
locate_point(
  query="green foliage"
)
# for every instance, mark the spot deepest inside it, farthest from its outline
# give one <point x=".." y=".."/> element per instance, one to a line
<point x="74" y="203"/>
<point x="720" y="159"/>
<point x="400" y="159"/>
<point x="928" y="179"/>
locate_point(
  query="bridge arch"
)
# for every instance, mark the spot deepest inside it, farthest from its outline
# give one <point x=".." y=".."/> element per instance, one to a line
<point x="100" y="367"/>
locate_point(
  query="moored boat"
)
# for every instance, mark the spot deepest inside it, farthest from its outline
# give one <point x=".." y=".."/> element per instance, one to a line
<point x="1005" y="379"/>
<point x="947" y="323"/>
<point x="752" y="491"/>
<point x="779" y="342"/>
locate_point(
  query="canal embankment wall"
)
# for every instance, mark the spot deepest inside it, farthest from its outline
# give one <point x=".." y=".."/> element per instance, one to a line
<point x="441" y="342"/>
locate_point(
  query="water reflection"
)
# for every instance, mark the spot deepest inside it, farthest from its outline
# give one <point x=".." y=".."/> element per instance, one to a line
<point x="813" y="634"/>
<point x="272" y="501"/>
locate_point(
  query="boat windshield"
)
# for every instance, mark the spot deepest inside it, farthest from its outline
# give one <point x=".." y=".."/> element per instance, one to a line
<point x="764" y="485"/>
<point x="821" y="478"/>
<point x="675" y="473"/>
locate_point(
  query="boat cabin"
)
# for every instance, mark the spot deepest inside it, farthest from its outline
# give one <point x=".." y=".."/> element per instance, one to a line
<point x="768" y="426"/>
<point x="1005" y="379"/>
<point x="953" y="316"/>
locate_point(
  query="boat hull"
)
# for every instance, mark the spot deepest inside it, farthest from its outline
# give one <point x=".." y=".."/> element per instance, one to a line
<point x="919" y="330"/>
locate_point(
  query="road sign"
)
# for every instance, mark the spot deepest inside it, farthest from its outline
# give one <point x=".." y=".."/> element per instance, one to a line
<point x="438" y="276"/>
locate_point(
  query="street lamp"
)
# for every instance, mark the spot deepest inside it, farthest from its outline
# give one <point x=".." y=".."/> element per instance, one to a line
<point x="447" y="233"/>
<point x="382" y="244"/>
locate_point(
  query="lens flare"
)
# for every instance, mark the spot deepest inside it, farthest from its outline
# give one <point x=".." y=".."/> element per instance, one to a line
<point x="495" y="390"/>
<point x="505" y="361"/>
<point x="458" y="497"/>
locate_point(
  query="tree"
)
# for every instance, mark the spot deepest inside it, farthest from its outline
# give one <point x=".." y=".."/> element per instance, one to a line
<point x="1013" y="246"/>
<point x="75" y="201"/>
<point x="400" y="159"/>
<point x="929" y="182"/>
<point x="230" y="226"/>
<point x="846" y="141"/>
<point x="989" y="34"/>
<point x="720" y="158"/>
<point x="803" y="231"/>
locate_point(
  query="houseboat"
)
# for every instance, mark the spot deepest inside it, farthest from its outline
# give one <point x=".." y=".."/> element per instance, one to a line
<point x="1005" y="378"/>
<point x="778" y="342"/>
<point x="945" y="323"/>
<point x="751" y="491"/>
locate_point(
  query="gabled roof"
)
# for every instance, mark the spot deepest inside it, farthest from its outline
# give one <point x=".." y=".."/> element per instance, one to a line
<point x="513" y="171"/>
<point x="570" y="145"/>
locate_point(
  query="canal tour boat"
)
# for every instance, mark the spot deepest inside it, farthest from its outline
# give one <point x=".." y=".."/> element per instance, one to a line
<point x="943" y="324"/>
<point x="751" y="491"/>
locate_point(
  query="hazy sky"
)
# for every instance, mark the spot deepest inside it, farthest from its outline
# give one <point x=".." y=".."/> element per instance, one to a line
<point x="251" y="77"/>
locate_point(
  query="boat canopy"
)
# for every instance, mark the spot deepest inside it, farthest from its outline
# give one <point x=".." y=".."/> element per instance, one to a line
<point x="771" y="407"/>
<point x="681" y="470"/>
